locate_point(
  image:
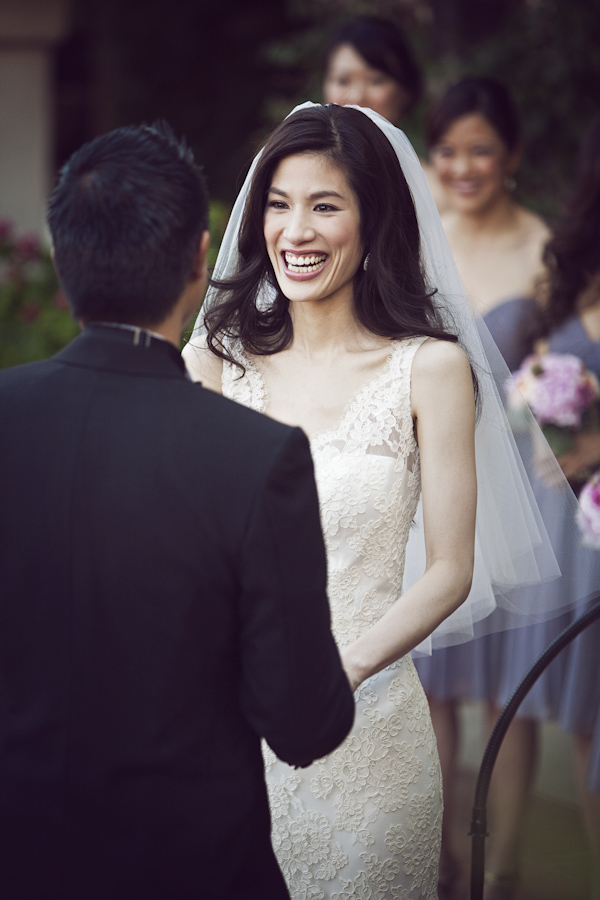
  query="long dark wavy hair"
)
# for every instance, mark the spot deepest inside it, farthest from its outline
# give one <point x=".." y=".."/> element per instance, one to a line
<point x="391" y="298"/>
<point x="572" y="256"/>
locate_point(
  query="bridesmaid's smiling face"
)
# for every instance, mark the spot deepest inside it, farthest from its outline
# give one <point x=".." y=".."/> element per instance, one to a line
<point x="312" y="229"/>
<point x="350" y="79"/>
<point x="472" y="162"/>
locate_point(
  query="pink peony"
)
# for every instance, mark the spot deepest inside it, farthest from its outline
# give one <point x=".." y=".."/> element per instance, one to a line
<point x="28" y="246"/>
<point x="588" y="514"/>
<point x="558" y="388"/>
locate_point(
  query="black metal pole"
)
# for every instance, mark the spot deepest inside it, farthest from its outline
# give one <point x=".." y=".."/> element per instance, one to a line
<point x="478" y="821"/>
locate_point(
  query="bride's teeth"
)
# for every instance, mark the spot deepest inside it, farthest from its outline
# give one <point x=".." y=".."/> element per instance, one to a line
<point x="305" y="263"/>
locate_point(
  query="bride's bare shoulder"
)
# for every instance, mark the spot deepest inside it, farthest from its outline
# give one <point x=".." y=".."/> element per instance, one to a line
<point x="440" y="368"/>
<point x="442" y="383"/>
<point x="440" y="358"/>
<point x="202" y="364"/>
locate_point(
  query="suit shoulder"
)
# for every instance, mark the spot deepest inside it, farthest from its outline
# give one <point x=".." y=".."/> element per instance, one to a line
<point x="25" y="374"/>
<point x="253" y="429"/>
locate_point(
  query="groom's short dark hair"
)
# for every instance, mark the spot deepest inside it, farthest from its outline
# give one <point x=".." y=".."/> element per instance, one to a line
<point x="126" y="217"/>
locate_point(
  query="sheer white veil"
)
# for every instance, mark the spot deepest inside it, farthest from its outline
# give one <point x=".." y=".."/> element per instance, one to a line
<point x="518" y="560"/>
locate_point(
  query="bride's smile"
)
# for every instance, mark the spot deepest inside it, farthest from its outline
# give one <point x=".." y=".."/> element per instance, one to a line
<point x="312" y="228"/>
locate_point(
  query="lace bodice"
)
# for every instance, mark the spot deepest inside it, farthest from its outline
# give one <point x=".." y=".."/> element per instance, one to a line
<point x="365" y="822"/>
<point x="367" y="473"/>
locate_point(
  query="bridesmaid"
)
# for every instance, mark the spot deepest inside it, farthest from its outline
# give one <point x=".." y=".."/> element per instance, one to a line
<point x="368" y="62"/>
<point x="473" y="137"/>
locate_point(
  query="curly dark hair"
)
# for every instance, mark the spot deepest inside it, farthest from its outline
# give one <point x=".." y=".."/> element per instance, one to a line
<point x="391" y="298"/>
<point x="572" y="256"/>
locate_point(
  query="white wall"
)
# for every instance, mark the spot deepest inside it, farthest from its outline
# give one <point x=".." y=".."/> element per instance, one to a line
<point x="29" y="29"/>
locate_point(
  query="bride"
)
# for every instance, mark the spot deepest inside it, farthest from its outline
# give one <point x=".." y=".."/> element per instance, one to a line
<point x="324" y="314"/>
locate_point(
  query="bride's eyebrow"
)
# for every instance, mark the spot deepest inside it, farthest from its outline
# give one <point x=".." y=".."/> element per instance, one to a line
<point x="317" y="195"/>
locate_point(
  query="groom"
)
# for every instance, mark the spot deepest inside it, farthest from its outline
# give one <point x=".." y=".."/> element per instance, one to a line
<point x="162" y="572"/>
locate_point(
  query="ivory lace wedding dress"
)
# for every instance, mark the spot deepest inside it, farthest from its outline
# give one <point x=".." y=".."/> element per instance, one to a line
<point x="364" y="823"/>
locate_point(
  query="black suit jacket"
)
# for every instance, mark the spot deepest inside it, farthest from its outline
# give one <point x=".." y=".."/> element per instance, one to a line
<point x="162" y="606"/>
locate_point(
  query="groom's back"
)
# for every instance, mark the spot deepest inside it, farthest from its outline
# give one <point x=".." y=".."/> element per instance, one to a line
<point x="162" y="596"/>
<point x="125" y="501"/>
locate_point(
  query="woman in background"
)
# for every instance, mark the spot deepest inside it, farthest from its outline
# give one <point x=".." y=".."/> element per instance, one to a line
<point x="473" y="137"/>
<point x="368" y="62"/>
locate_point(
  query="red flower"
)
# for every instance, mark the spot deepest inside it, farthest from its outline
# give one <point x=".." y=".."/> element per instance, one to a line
<point x="28" y="246"/>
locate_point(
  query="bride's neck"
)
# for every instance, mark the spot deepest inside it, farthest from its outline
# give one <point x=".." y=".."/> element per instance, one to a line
<point x="326" y="327"/>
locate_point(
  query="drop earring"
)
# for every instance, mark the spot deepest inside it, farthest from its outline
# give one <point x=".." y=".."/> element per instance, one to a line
<point x="510" y="183"/>
<point x="366" y="262"/>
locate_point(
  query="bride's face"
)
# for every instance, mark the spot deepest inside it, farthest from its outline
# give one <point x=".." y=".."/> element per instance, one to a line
<point x="312" y="229"/>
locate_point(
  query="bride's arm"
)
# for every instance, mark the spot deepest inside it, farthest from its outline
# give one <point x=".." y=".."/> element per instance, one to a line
<point x="203" y="365"/>
<point x="444" y="409"/>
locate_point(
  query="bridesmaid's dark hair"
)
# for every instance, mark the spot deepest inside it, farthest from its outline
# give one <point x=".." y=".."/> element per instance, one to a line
<point x="383" y="46"/>
<point x="391" y="298"/>
<point x="572" y="256"/>
<point x="474" y="95"/>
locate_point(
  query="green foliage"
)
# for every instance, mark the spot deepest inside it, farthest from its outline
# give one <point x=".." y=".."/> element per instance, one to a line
<point x="217" y="223"/>
<point x="35" y="321"/>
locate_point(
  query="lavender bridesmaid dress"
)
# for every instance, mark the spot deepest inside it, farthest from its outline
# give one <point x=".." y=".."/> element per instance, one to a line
<point x="489" y="668"/>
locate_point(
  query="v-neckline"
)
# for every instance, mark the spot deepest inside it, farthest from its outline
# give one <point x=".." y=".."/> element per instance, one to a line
<point x="353" y="402"/>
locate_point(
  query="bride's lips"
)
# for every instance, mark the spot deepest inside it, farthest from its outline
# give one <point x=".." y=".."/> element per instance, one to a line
<point x="303" y="266"/>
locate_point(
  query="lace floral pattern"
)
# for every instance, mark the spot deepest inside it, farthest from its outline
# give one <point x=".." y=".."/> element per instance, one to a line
<point x="365" y="822"/>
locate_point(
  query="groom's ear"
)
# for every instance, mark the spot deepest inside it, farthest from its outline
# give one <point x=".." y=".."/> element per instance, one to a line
<point x="199" y="269"/>
<point x="53" y="258"/>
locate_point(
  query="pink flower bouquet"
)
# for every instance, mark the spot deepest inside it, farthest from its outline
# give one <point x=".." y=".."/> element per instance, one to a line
<point x="561" y="393"/>
<point x="588" y="514"/>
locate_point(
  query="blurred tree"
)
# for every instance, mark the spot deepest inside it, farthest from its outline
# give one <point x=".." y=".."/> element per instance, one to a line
<point x="197" y="64"/>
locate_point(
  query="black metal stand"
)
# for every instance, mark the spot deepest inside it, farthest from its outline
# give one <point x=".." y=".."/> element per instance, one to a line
<point x="478" y="821"/>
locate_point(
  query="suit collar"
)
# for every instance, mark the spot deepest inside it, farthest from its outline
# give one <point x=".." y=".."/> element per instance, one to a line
<point x="113" y="349"/>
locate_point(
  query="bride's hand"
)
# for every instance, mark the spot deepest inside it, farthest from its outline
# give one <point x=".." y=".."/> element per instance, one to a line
<point x="351" y="668"/>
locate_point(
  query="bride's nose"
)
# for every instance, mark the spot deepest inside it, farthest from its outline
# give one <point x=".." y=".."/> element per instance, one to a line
<point x="298" y="228"/>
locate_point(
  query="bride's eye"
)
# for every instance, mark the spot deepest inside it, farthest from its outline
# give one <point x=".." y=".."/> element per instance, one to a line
<point x="326" y="207"/>
<point x="276" y="204"/>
